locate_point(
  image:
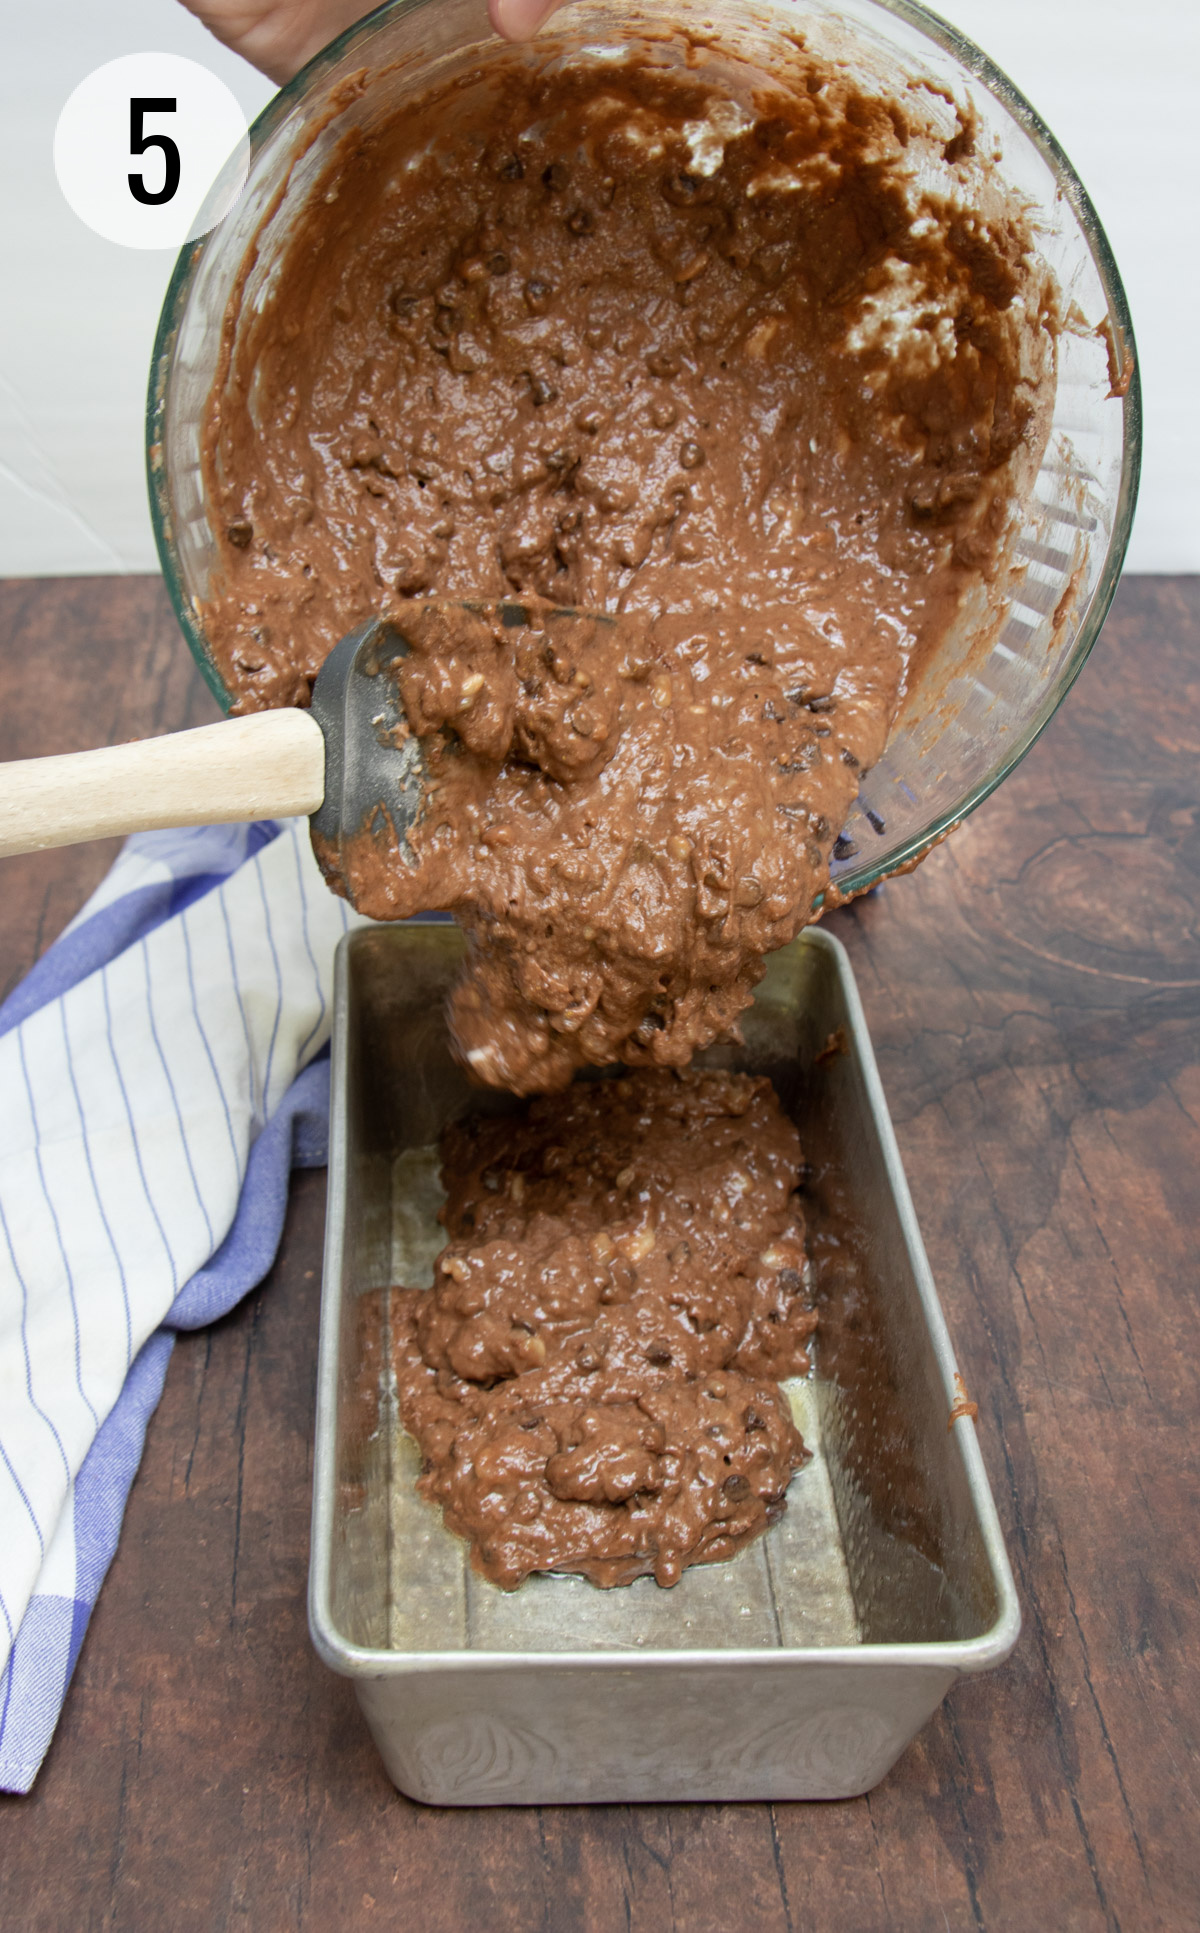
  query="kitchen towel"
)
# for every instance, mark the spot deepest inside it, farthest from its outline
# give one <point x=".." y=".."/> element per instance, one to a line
<point x="161" y="1071"/>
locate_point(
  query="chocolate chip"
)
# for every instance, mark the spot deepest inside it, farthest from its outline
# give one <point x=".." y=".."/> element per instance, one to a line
<point x="844" y="847"/>
<point x="821" y="704"/>
<point x="498" y="264"/>
<point x="875" y="821"/>
<point x="541" y="391"/>
<point x="681" y="188"/>
<point x="510" y="168"/>
<point x="240" y="533"/>
<point x="556" y="177"/>
<point x="771" y="133"/>
<point x="736" y="1487"/>
<point x="658" y="1354"/>
<point x="691" y="455"/>
<point x="753" y="1421"/>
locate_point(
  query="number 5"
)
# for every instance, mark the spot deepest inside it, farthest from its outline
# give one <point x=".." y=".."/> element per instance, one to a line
<point x="139" y="141"/>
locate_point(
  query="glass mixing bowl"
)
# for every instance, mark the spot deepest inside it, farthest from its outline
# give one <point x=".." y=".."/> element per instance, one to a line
<point x="982" y="702"/>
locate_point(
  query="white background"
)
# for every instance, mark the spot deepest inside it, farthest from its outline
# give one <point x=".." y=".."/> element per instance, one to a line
<point x="1118" y="84"/>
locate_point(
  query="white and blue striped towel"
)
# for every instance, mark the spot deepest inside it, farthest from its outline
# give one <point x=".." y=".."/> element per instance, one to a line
<point x="160" y="1076"/>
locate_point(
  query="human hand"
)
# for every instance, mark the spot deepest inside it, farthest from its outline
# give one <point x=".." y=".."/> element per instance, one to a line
<point x="278" y="36"/>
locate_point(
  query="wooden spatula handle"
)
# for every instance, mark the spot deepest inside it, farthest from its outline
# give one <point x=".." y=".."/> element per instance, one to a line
<point x="270" y="765"/>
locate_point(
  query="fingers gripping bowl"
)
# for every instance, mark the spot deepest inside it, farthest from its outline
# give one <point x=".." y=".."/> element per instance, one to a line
<point x="1003" y="667"/>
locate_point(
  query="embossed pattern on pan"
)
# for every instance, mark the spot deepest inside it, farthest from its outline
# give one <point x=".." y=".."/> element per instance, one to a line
<point x="800" y="1669"/>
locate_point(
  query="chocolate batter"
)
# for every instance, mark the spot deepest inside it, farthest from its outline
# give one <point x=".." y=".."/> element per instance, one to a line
<point x="758" y="369"/>
<point x="593" y="1380"/>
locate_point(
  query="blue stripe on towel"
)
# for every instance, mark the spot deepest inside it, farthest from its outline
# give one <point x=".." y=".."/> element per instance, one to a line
<point x="190" y="928"/>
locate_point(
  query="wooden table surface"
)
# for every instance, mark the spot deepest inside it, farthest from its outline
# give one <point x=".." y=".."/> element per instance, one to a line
<point x="1034" y="994"/>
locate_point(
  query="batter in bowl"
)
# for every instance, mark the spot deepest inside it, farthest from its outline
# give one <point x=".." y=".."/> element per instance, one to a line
<point x="759" y="369"/>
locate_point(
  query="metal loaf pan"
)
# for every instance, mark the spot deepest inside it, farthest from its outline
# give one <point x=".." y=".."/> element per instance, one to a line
<point x="801" y="1669"/>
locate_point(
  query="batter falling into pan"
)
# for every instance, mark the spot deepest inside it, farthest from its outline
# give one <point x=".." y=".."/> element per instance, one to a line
<point x="760" y="371"/>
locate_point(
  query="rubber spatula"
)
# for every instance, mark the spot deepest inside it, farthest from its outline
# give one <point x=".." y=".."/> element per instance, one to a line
<point x="340" y="762"/>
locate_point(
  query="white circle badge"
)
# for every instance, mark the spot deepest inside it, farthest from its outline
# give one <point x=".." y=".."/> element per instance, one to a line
<point x="151" y="150"/>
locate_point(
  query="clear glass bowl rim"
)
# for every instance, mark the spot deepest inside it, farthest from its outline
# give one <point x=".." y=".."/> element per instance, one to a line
<point x="854" y="880"/>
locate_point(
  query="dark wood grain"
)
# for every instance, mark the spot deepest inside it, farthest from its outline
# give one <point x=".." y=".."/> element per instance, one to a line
<point x="1034" y="994"/>
<point x="84" y="661"/>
